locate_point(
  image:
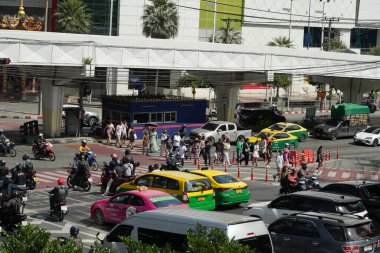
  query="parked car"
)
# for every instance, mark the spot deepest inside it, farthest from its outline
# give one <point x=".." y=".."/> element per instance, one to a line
<point x="258" y="118"/>
<point x="367" y="191"/>
<point x="215" y="129"/>
<point x="324" y="233"/>
<point x="113" y="209"/>
<point x="191" y="189"/>
<point x="89" y="119"/>
<point x="278" y="139"/>
<point x="228" y="189"/>
<point x="306" y="201"/>
<point x="370" y="136"/>
<point x="169" y="226"/>
<point x="299" y="131"/>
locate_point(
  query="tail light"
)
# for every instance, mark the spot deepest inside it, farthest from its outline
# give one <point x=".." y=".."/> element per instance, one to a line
<point x="185" y="199"/>
<point x="225" y="189"/>
<point x="245" y="187"/>
<point x="351" y="249"/>
<point x="213" y="194"/>
<point x="378" y="243"/>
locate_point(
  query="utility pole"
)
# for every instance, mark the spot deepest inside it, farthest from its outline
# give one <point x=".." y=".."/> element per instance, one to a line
<point x="80" y="102"/>
<point x="290" y="17"/>
<point x="46" y="14"/>
<point x="308" y="28"/>
<point x="330" y="20"/>
<point x="214" y="27"/>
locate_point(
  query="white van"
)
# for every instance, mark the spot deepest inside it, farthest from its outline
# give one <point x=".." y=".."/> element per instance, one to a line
<point x="169" y="226"/>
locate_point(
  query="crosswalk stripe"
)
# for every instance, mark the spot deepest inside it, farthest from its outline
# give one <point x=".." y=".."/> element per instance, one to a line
<point x="55" y="173"/>
<point x="43" y="180"/>
<point x="47" y="177"/>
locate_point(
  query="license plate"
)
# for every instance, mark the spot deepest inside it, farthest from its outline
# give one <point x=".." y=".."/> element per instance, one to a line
<point x="368" y="248"/>
<point x="239" y="190"/>
<point x="90" y="180"/>
<point x="24" y="199"/>
<point x="63" y="208"/>
<point x="201" y="198"/>
<point x="36" y="179"/>
<point x="24" y="223"/>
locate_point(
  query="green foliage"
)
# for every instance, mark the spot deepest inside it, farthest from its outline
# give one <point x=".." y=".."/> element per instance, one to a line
<point x="139" y="247"/>
<point x="193" y="81"/>
<point x="33" y="239"/>
<point x="281" y="81"/>
<point x="335" y="44"/>
<point x="281" y="41"/>
<point x="320" y="86"/>
<point x="97" y="248"/>
<point x="227" y="35"/>
<point x="375" y="51"/>
<point x="160" y="19"/>
<point x="73" y="16"/>
<point x="87" y="60"/>
<point x="204" y="240"/>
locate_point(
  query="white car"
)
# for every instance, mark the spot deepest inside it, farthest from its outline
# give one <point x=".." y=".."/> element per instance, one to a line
<point x="306" y="201"/>
<point x="369" y="136"/>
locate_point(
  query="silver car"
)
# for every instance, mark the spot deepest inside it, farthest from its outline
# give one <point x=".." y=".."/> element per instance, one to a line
<point x="90" y="118"/>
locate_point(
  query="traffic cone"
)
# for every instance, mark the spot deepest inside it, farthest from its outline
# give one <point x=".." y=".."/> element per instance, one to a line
<point x="252" y="175"/>
<point x="238" y="175"/>
<point x="199" y="164"/>
<point x="225" y="167"/>
<point x="212" y="165"/>
<point x="329" y="156"/>
<point x="337" y="153"/>
<point x="266" y="174"/>
<point x="233" y="158"/>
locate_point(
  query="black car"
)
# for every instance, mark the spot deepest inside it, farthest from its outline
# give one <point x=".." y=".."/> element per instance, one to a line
<point x="368" y="192"/>
<point x="259" y="118"/>
<point x="324" y="233"/>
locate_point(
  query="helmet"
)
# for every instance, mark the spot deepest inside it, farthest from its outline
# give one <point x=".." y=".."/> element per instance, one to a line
<point x="40" y="135"/>
<point x="1" y="131"/>
<point x="114" y="156"/>
<point x="286" y="144"/>
<point x="61" y="181"/>
<point x="156" y="166"/>
<point x="2" y="163"/>
<point x="127" y="151"/>
<point x="25" y="157"/>
<point x="74" y="231"/>
<point x="150" y="168"/>
<point x="84" y="142"/>
<point x="136" y="164"/>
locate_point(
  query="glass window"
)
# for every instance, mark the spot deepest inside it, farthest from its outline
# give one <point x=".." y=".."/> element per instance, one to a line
<point x="314" y="38"/>
<point x="259" y="243"/>
<point x="336" y="232"/>
<point x="121" y="230"/>
<point x="141" y="117"/>
<point x="197" y="185"/>
<point x="304" y="205"/>
<point x="231" y="127"/>
<point x="361" y="231"/>
<point x="144" y="181"/>
<point x="353" y="207"/>
<point x="283" y="203"/>
<point x="121" y="199"/>
<point x="222" y="128"/>
<point x="340" y="188"/>
<point x="325" y="206"/>
<point x="281" y="136"/>
<point x="363" y="38"/>
<point x="159" y="182"/>
<point x="225" y="179"/>
<point x="277" y="127"/>
<point x="284" y="226"/>
<point x="306" y="228"/>
<point x="100" y="10"/>
<point x="170" y="116"/>
<point x="164" y="201"/>
<point x="161" y="238"/>
<point x="156" y="117"/>
<point x="373" y="191"/>
<point x="135" y="201"/>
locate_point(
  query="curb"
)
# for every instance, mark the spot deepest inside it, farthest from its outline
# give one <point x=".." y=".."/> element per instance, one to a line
<point x="302" y="112"/>
<point x="21" y="117"/>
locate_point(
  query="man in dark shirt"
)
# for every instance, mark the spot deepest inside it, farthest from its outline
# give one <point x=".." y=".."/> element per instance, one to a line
<point x="4" y="171"/>
<point x="18" y="179"/>
<point x="219" y="149"/>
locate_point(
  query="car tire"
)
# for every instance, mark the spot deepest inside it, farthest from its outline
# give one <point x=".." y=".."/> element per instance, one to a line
<point x="334" y="136"/>
<point x="99" y="217"/>
<point x="214" y="114"/>
<point x="302" y="138"/>
<point x="375" y="142"/>
<point x="92" y="121"/>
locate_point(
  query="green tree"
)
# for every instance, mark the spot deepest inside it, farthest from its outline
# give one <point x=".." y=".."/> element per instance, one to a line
<point x="334" y="44"/>
<point x="281" y="81"/>
<point x="193" y="81"/>
<point x="280" y="41"/>
<point x="375" y="51"/>
<point x="227" y="34"/>
<point x="160" y="19"/>
<point x="73" y="16"/>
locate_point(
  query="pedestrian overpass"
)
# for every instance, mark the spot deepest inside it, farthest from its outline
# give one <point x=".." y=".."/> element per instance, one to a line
<point x="60" y="57"/>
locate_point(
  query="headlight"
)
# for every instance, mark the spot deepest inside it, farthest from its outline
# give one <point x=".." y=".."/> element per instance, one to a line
<point x="329" y="130"/>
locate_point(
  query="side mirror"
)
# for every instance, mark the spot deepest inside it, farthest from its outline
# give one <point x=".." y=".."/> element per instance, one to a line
<point x="219" y="130"/>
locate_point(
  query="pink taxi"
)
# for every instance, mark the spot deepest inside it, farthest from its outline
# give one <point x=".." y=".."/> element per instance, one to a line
<point x="113" y="210"/>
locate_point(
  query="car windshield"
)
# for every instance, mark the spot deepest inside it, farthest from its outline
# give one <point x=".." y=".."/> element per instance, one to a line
<point x="198" y="185"/>
<point x="261" y="135"/>
<point x="373" y="191"/>
<point x="225" y="179"/>
<point x="371" y="130"/>
<point x="332" y="122"/>
<point x="352" y="207"/>
<point x="277" y="127"/>
<point x="361" y="231"/>
<point x="165" y="201"/>
<point x="210" y="126"/>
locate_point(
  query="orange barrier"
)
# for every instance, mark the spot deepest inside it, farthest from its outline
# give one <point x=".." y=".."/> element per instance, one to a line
<point x="238" y="175"/>
<point x="199" y="164"/>
<point x="225" y="167"/>
<point x="233" y="157"/>
<point x="252" y="175"/>
<point x="266" y="174"/>
<point x="329" y="156"/>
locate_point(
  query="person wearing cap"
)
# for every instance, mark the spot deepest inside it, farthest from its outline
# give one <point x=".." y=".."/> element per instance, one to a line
<point x="58" y="193"/>
<point x="40" y="142"/>
<point x="285" y="154"/>
<point x="164" y="140"/>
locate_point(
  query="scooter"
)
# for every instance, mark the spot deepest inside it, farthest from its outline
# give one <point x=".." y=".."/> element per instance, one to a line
<point x="83" y="182"/>
<point x="9" y="148"/>
<point x="10" y="222"/>
<point x="91" y="160"/>
<point x="60" y="209"/>
<point x="106" y="176"/>
<point x="312" y="182"/>
<point x="46" y="152"/>
<point x="31" y="179"/>
<point x="22" y="194"/>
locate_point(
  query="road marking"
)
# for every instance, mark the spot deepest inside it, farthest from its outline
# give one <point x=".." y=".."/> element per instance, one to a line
<point x="47" y="177"/>
<point x="359" y="176"/>
<point x="331" y="174"/>
<point x="42" y="180"/>
<point x="346" y="175"/>
<point x="374" y="177"/>
<point x="55" y="173"/>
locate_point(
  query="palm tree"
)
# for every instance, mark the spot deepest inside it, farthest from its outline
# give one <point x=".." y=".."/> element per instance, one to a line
<point x="280" y="41"/>
<point x="73" y="16"/>
<point x="375" y="51"/>
<point x="160" y="19"/>
<point x="227" y="35"/>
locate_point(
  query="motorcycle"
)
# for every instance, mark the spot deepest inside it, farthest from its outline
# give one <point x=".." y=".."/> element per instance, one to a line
<point x="31" y="179"/>
<point x="9" y="148"/>
<point x="90" y="158"/>
<point x="22" y="194"/>
<point x="312" y="182"/>
<point x="106" y="176"/>
<point x="10" y="222"/>
<point x="83" y="182"/>
<point x="47" y="151"/>
<point x="60" y="209"/>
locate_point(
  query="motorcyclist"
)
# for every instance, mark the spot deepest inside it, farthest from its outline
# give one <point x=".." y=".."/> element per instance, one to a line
<point x="58" y="193"/>
<point x="74" y="231"/>
<point x="127" y="158"/>
<point x="302" y="173"/>
<point x="18" y="179"/>
<point x="83" y="148"/>
<point x="4" y="171"/>
<point x="114" y="162"/>
<point x="26" y="164"/>
<point x="12" y="205"/>
<point x="171" y="162"/>
<point x="82" y="170"/>
<point x="3" y="139"/>
<point x="116" y="170"/>
<point x="40" y="142"/>
<point x="292" y="179"/>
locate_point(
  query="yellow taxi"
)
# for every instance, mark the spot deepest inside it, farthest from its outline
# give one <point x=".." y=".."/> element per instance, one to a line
<point x="278" y="139"/>
<point x="228" y="189"/>
<point x="191" y="189"/>
<point x="299" y="131"/>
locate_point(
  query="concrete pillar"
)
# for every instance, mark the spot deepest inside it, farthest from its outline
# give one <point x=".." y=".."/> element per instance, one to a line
<point x="226" y="101"/>
<point x="353" y="91"/>
<point x="117" y="81"/>
<point x="52" y="102"/>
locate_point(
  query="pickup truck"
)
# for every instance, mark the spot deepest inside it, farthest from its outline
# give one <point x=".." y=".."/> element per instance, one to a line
<point x="334" y="128"/>
<point x="215" y="129"/>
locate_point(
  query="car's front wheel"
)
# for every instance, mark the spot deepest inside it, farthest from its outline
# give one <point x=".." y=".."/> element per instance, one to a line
<point x="375" y="142"/>
<point x="302" y="138"/>
<point x="92" y="121"/>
